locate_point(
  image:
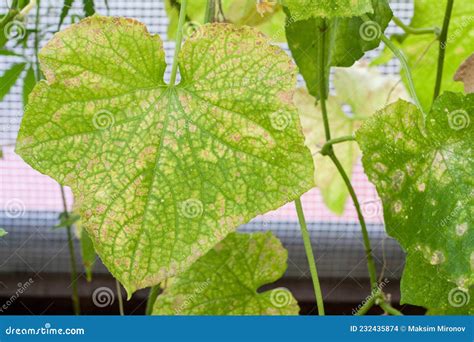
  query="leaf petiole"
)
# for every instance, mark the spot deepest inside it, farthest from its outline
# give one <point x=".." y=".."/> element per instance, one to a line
<point x="325" y="150"/>
<point x="179" y="39"/>
<point x="442" y="48"/>
<point x="415" y="30"/>
<point x="309" y="254"/>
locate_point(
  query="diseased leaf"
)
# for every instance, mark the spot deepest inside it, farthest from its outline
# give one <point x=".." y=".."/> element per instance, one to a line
<point x="28" y="84"/>
<point x="422" y="50"/>
<point x="465" y="74"/>
<point x="424" y="178"/>
<point x="225" y="281"/>
<point x="365" y="90"/>
<point x="9" y="78"/>
<point x="348" y="40"/>
<point x="305" y="9"/>
<point x="162" y="173"/>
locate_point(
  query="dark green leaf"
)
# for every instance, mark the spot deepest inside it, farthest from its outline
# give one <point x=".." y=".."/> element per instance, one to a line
<point x="64" y="11"/>
<point x="9" y="78"/>
<point x="89" y="7"/>
<point x="28" y="83"/>
<point x="347" y="41"/>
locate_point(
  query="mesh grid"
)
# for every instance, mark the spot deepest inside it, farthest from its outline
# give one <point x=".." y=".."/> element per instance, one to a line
<point x="33" y="246"/>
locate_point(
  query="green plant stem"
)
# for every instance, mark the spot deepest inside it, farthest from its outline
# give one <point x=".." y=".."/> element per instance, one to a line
<point x="365" y="233"/>
<point x="415" y="30"/>
<point x="330" y="152"/>
<point x="154" y="292"/>
<point x="366" y="307"/>
<point x="72" y="258"/>
<point x="323" y="82"/>
<point x="36" y="41"/>
<point x="442" y="48"/>
<point x="389" y="309"/>
<point x="404" y="63"/>
<point x="210" y="11"/>
<point x="309" y="254"/>
<point x="326" y="147"/>
<point x="179" y="39"/>
<point x="119" y="296"/>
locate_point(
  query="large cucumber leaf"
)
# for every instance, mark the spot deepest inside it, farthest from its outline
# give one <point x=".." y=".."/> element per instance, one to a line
<point x="225" y="281"/>
<point x="423" y="174"/>
<point x="422" y="52"/>
<point x="162" y="173"/>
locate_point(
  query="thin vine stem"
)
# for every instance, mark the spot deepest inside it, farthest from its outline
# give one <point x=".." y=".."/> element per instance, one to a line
<point x="389" y="309"/>
<point x="154" y="292"/>
<point x="365" y="233"/>
<point x="323" y="83"/>
<point x="366" y="307"/>
<point x="72" y="258"/>
<point x="309" y="254"/>
<point x="404" y="63"/>
<point x="442" y="48"/>
<point x="179" y="39"/>
<point x="210" y="11"/>
<point x="415" y="30"/>
<point x="119" y="296"/>
<point x="325" y="150"/>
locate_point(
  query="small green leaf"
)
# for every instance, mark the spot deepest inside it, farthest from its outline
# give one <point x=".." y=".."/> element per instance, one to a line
<point x="161" y="174"/>
<point x="365" y="90"/>
<point x="422" y="50"/>
<point x="9" y="78"/>
<point x="67" y="220"/>
<point x="64" y="11"/>
<point x="4" y="52"/>
<point x="3" y="232"/>
<point x="88" y="7"/>
<point x="423" y="174"/>
<point x="28" y="84"/>
<point x="305" y="9"/>
<point x="347" y="41"/>
<point x="225" y="281"/>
